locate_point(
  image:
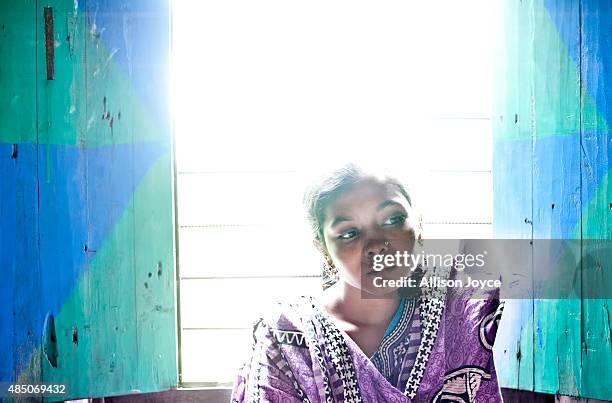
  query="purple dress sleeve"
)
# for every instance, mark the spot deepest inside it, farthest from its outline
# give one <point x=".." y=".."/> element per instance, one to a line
<point x="265" y="377"/>
<point x="465" y="346"/>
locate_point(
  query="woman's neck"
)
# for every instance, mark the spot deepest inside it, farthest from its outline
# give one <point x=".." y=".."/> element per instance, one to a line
<point x="348" y="304"/>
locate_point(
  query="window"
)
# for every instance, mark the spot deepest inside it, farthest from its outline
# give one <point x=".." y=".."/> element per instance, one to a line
<point x="263" y="92"/>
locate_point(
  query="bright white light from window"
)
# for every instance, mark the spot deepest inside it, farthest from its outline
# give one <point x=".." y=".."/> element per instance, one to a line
<point x="266" y="90"/>
<point x="269" y="84"/>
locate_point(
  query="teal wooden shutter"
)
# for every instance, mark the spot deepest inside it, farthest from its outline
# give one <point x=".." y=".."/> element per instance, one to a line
<point x="551" y="167"/>
<point x="86" y="196"/>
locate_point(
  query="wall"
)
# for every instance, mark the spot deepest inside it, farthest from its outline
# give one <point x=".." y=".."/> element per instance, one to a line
<point x="550" y="170"/>
<point x="86" y="216"/>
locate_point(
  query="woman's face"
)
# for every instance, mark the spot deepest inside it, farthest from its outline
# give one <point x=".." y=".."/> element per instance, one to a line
<point x="371" y="218"/>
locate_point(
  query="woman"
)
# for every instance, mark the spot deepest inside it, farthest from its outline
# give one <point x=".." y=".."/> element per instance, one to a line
<point x="362" y="342"/>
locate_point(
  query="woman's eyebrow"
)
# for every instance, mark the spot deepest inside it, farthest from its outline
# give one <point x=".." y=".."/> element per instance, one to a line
<point x="388" y="203"/>
<point x="338" y="219"/>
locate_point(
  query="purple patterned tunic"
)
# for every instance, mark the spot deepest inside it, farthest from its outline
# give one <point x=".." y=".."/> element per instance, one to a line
<point x="396" y="354"/>
<point x="300" y="355"/>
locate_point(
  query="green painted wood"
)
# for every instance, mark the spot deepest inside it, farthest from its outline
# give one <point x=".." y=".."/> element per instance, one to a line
<point x="558" y="123"/>
<point x="18" y="124"/>
<point x="556" y="112"/>
<point x="114" y="335"/>
<point x="60" y="103"/>
<point x="524" y="118"/>
<point x="124" y="307"/>
<point x="61" y="116"/>
<point x="151" y="242"/>
<point x="596" y="262"/>
<point x="155" y="280"/>
<point x="539" y="91"/>
<point x="114" y="353"/>
<point x="18" y="71"/>
<point x="511" y="121"/>
<point x="18" y="203"/>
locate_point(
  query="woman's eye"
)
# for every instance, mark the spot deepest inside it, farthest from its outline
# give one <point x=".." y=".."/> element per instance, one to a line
<point x="397" y="219"/>
<point x="346" y="235"/>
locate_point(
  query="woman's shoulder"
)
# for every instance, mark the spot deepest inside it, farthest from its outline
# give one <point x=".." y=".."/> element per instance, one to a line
<point x="472" y="287"/>
<point x="474" y="308"/>
<point x="463" y="297"/>
<point x="290" y="314"/>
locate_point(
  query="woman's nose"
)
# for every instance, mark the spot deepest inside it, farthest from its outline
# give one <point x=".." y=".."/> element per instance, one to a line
<point x="376" y="247"/>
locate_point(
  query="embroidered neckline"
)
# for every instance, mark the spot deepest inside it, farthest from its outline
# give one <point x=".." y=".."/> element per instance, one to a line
<point x="397" y="316"/>
<point x="431" y="306"/>
<point x="405" y="320"/>
<point x="335" y="347"/>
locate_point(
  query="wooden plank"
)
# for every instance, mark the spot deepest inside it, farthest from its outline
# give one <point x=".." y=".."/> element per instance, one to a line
<point x="155" y="280"/>
<point x="512" y="185"/>
<point x="21" y="328"/>
<point x="18" y="72"/>
<point x="144" y="28"/>
<point x="110" y="291"/>
<point x="555" y="102"/>
<point x="191" y="395"/>
<point x="62" y="184"/>
<point x="596" y="229"/>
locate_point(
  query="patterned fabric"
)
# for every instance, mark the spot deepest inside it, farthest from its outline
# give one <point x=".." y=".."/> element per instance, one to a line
<point x="300" y="355"/>
<point x="397" y="351"/>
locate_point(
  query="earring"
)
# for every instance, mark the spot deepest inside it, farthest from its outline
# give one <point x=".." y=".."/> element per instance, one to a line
<point x="420" y="237"/>
<point x="329" y="269"/>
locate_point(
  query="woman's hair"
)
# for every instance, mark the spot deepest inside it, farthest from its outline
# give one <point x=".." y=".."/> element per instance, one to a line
<point x="327" y="189"/>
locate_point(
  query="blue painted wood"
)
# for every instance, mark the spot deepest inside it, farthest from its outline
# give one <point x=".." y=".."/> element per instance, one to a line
<point x="555" y="73"/>
<point x="75" y="154"/>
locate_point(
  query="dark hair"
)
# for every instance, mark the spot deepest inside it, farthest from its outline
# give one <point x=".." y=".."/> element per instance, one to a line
<point x="326" y="190"/>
